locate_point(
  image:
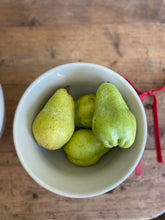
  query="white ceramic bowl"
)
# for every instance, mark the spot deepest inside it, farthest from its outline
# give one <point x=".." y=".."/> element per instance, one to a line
<point x="2" y="111"/>
<point x="51" y="169"/>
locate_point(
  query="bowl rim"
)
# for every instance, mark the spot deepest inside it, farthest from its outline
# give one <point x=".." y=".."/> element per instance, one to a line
<point x="2" y="110"/>
<point x="47" y="186"/>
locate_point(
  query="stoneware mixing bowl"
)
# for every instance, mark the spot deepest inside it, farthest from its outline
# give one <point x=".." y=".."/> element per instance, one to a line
<point x="51" y="169"/>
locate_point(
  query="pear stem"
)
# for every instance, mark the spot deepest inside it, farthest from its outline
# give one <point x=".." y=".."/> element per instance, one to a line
<point x="67" y="88"/>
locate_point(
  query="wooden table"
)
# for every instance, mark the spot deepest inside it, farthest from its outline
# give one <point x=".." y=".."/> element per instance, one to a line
<point x="126" y="36"/>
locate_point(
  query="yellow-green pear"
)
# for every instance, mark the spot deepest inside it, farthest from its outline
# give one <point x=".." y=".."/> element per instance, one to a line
<point x="84" y="149"/>
<point x="54" y="124"/>
<point x="84" y="109"/>
<point x="113" y="123"/>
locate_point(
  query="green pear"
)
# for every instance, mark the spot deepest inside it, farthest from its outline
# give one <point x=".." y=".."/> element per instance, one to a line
<point x="84" y="149"/>
<point x="84" y="109"/>
<point x="54" y="124"/>
<point x="113" y="123"/>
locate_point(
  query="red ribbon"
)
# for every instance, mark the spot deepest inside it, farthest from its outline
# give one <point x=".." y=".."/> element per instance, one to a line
<point x="142" y="96"/>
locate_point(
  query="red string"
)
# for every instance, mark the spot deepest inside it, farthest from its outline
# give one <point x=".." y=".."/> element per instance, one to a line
<point x="156" y="130"/>
<point x="142" y="96"/>
<point x="138" y="170"/>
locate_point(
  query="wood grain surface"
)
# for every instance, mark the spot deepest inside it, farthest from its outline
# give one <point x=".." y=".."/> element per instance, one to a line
<point x="126" y="36"/>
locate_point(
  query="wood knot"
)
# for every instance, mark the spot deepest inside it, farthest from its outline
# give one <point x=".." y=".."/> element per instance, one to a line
<point x="148" y="106"/>
<point x="34" y="196"/>
<point x="151" y="131"/>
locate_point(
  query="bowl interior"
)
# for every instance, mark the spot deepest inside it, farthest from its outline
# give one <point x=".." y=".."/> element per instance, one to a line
<point x="51" y="169"/>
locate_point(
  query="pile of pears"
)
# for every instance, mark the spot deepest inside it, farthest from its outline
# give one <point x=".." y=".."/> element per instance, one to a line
<point x="86" y="128"/>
